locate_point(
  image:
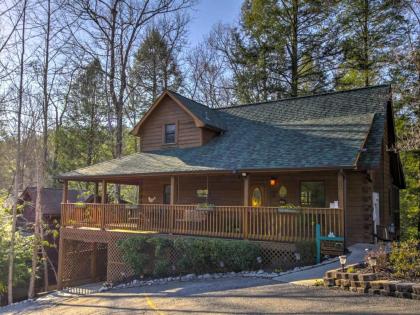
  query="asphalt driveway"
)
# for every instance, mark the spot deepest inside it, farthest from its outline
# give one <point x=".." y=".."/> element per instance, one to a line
<point x="222" y="296"/>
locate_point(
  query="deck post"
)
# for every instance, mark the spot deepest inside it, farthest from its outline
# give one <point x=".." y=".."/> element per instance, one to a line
<point x="103" y="201"/>
<point x="61" y="249"/>
<point x="245" y="209"/>
<point x="93" y="261"/>
<point x="65" y="191"/>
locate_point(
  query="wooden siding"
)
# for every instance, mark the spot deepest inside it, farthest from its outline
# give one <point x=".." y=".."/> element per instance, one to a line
<point x="228" y="190"/>
<point x="358" y="212"/>
<point x="168" y="112"/>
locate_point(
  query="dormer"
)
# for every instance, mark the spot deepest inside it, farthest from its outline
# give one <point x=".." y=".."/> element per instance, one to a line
<point x="174" y="121"/>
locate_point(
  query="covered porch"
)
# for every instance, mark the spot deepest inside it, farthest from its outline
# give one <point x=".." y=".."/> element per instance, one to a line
<point x="280" y="206"/>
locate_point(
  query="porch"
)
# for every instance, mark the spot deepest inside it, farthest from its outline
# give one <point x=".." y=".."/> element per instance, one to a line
<point x="238" y="222"/>
<point x="277" y="206"/>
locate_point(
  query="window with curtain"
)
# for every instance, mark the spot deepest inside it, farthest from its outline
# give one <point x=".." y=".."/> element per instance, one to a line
<point x="312" y="194"/>
<point x="170" y="133"/>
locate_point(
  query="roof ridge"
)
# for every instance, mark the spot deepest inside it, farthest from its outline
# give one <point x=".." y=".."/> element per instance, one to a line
<point x="190" y="99"/>
<point x="306" y="96"/>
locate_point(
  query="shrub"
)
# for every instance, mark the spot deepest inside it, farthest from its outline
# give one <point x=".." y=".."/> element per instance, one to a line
<point x="382" y="261"/>
<point x="405" y="259"/>
<point x="151" y="255"/>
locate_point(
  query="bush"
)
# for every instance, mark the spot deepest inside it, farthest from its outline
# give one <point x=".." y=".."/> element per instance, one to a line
<point x="382" y="260"/>
<point x="405" y="259"/>
<point x="151" y="255"/>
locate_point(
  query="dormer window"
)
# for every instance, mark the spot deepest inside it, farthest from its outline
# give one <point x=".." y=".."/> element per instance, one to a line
<point x="170" y="133"/>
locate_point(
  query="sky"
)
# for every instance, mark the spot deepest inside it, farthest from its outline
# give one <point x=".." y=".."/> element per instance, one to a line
<point x="207" y="13"/>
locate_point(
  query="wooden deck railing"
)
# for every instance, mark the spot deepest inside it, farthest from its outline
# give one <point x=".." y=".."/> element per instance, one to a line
<point x="256" y="223"/>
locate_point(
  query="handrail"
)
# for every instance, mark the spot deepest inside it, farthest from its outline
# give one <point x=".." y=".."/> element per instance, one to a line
<point x="256" y="223"/>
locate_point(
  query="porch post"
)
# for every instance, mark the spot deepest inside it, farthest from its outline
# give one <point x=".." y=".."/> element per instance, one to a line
<point x="104" y="192"/>
<point x="139" y="193"/>
<point x="341" y="184"/>
<point x="245" y="209"/>
<point x="61" y="251"/>
<point x="103" y="201"/>
<point x="246" y="190"/>
<point x="65" y="191"/>
<point x="95" y="197"/>
<point x="172" y="201"/>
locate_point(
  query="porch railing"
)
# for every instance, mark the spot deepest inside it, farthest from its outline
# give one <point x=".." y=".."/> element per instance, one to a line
<point x="256" y="223"/>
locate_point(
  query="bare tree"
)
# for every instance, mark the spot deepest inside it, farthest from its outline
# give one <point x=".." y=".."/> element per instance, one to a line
<point x="17" y="163"/>
<point x="115" y="27"/>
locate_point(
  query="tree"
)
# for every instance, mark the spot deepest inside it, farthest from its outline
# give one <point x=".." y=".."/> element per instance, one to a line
<point x="115" y="27"/>
<point x="87" y="110"/>
<point x="22" y="249"/>
<point x="282" y="48"/>
<point x="18" y="152"/>
<point x="371" y="29"/>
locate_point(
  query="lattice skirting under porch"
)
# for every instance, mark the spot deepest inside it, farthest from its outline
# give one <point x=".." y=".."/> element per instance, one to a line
<point x="88" y="255"/>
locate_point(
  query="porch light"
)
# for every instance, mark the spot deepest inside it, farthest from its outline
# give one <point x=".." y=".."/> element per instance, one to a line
<point x="373" y="261"/>
<point x="343" y="260"/>
<point x="273" y="181"/>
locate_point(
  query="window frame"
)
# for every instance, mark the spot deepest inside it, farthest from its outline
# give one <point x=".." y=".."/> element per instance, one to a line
<point x="312" y="181"/>
<point x="164" y="133"/>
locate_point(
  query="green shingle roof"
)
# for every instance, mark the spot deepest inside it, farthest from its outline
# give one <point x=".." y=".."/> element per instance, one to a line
<point x="207" y="115"/>
<point x="320" y="131"/>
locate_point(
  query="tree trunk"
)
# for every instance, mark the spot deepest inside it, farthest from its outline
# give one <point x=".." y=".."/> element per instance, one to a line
<point x="38" y="227"/>
<point x="294" y="44"/>
<point x="366" y="66"/>
<point x="18" y="164"/>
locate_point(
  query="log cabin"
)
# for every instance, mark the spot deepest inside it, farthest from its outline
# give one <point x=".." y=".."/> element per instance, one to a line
<point x="264" y="172"/>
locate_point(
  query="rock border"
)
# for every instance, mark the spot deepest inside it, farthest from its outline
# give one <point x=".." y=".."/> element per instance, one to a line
<point x="367" y="283"/>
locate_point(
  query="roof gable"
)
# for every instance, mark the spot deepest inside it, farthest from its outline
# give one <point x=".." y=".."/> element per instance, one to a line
<point x="203" y="116"/>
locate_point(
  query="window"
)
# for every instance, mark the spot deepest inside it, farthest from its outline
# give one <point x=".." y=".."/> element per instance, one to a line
<point x="312" y="194"/>
<point x="170" y="131"/>
<point x="256" y="197"/>
<point x="167" y="194"/>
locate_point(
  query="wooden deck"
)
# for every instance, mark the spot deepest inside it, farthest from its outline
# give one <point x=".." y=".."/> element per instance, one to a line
<point x="254" y="223"/>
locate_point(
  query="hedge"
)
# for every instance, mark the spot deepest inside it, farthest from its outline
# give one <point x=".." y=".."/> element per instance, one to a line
<point x="151" y="256"/>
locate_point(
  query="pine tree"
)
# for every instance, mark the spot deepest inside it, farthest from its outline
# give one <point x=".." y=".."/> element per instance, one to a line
<point x="284" y="48"/>
<point x="155" y="69"/>
<point x="371" y="29"/>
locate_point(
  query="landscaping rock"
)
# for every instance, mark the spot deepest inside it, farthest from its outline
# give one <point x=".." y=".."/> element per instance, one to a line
<point x="353" y="276"/>
<point x="360" y="284"/>
<point x="331" y="274"/>
<point x="405" y="287"/>
<point x="416" y="288"/>
<point x="404" y="295"/>
<point x="374" y="291"/>
<point x="328" y="282"/>
<point x="415" y="296"/>
<point x="362" y="290"/>
<point x="377" y="284"/>
<point x="342" y="275"/>
<point x="390" y="286"/>
<point x="367" y="276"/>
